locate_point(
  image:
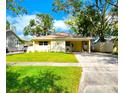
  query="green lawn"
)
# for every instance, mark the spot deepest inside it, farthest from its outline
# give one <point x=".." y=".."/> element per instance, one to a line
<point x="42" y="57"/>
<point x="70" y="77"/>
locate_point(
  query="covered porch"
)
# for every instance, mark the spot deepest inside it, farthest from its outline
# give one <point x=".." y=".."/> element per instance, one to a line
<point x="78" y="45"/>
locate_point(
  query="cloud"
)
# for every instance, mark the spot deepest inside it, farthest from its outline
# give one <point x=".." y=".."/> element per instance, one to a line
<point x="19" y="22"/>
<point x="60" y="25"/>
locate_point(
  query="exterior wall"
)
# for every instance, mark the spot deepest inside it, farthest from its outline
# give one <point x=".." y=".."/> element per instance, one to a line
<point x="115" y="50"/>
<point x="58" y="46"/>
<point x="77" y="46"/>
<point x="12" y="42"/>
<point x="30" y="49"/>
<point x="39" y="48"/>
<point x="103" y="47"/>
<point x="53" y="46"/>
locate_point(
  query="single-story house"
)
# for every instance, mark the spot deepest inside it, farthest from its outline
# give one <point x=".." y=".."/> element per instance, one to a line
<point x="60" y="42"/>
<point x="13" y="42"/>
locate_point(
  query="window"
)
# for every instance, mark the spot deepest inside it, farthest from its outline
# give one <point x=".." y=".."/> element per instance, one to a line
<point x="43" y="43"/>
<point x="67" y="43"/>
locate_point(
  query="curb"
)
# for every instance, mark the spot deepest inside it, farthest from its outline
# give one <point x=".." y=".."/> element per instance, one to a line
<point x="82" y="83"/>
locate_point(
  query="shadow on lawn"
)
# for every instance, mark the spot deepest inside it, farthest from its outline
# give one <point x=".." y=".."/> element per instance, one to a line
<point x="42" y="83"/>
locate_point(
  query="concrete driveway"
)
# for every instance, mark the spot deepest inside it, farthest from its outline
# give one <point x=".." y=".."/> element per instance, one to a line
<point x="100" y="73"/>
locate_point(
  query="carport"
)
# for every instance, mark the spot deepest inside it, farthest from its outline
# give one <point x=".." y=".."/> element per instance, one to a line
<point x="78" y="44"/>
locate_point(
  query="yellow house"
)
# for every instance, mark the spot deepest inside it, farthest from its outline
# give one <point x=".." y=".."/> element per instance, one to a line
<point x="60" y="42"/>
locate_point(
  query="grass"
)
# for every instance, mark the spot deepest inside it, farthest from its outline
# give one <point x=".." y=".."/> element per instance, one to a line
<point x="70" y="76"/>
<point x="42" y="57"/>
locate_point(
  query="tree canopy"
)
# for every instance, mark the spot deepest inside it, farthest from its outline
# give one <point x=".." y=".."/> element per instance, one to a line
<point x="41" y="25"/>
<point x="7" y="25"/>
<point x="89" y="18"/>
<point x="14" y="7"/>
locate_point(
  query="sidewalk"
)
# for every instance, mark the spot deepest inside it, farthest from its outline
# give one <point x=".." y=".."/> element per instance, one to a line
<point x="42" y="64"/>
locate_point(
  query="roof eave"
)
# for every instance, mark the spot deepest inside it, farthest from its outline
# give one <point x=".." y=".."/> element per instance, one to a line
<point x="75" y="39"/>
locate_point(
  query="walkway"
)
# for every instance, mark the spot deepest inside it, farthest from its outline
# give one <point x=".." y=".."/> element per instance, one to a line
<point x="12" y="53"/>
<point x="42" y="64"/>
<point x="99" y="73"/>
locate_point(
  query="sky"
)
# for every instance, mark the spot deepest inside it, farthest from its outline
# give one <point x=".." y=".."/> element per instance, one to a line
<point x="34" y="7"/>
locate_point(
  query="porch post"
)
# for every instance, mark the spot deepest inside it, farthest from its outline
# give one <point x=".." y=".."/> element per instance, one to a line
<point x="89" y="46"/>
<point x="33" y="43"/>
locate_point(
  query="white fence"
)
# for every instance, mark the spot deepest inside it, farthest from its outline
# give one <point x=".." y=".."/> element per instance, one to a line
<point x="104" y="47"/>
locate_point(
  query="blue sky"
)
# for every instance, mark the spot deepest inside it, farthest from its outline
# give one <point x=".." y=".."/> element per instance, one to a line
<point x="33" y="7"/>
<point x="41" y="6"/>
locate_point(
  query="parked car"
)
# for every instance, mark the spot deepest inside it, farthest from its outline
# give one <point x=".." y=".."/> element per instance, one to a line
<point x="25" y="48"/>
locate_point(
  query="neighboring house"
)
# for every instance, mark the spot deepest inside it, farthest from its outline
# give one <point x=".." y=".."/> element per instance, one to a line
<point x="60" y="42"/>
<point x="13" y="42"/>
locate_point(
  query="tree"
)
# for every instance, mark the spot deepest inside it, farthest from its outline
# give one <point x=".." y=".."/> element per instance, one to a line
<point x="92" y="18"/>
<point x="84" y="22"/>
<point x="113" y="3"/>
<point x="104" y="8"/>
<point x="114" y="15"/>
<point x="7" y="25"/>
<point x="14" y="7"/>
<point x="41" y="25"/>
<point x="68" y="6"/>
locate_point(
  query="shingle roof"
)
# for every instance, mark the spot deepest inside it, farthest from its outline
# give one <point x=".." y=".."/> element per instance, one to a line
<point x="60" y="36"/>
